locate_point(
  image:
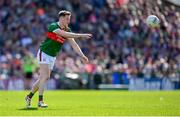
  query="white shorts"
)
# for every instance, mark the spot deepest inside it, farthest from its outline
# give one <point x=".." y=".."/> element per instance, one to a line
<point x="43" y="58"/>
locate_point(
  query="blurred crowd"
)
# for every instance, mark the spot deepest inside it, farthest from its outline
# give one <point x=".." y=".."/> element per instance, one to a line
<point x="122" y="41"/>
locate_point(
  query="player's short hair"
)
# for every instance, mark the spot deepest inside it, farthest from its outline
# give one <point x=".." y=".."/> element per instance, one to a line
<point x="63" y="13"/>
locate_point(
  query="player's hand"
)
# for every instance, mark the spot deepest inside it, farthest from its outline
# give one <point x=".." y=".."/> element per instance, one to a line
<point x="86" y="36"/>
<point x="85" y="59"/>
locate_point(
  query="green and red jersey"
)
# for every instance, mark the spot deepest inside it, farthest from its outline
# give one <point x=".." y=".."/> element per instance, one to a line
<point x="53" y="42"/>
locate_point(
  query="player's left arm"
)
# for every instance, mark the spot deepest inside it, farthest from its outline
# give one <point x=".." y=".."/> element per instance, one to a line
<point x="76" y="47"/>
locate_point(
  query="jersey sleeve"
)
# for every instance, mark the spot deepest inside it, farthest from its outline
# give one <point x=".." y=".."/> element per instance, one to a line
<point x="52" y="27"/>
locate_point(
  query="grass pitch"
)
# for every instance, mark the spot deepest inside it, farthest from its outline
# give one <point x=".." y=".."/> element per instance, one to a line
<point x="93" y="103"/>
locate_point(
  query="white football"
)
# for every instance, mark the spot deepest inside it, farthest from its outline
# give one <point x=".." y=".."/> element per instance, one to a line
<point x="152" y="21"/>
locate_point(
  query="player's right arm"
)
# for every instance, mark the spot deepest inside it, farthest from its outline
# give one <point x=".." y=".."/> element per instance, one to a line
<point x="71" y="35"/>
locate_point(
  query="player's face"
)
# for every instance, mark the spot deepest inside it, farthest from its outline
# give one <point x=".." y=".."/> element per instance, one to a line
<point x="67" y="19"/>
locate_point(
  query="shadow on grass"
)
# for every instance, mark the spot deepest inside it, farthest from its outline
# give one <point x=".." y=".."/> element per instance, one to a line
<point x="36" y="108"/>
<point x="31" y="108"/>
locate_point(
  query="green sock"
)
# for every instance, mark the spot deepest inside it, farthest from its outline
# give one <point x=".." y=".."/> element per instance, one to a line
<point x="30" y="95"/>
<point x="40" y="97"/>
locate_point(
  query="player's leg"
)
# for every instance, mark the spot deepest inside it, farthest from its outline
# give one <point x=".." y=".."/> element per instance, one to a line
<point x="44" y="76"/>
<point x="45" y="73"/>
<point x="34" y="89"/>
<point x="31" y="94"/>
<point x="35" y="86"/>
